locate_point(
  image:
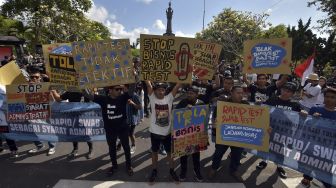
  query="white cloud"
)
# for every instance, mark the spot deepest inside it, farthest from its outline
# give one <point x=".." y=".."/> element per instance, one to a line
<point x="118" y="31"/>
<point x="269" y="11"/>
<point x="181" y="34"/>
<point x="158" y="24"/>
<point x="145" y="1"/>
<point x="99" y="14"/>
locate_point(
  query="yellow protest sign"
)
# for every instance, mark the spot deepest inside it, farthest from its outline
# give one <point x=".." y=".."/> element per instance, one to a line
<point x="11" y="74"/>
<point x="28" y="101"/>
<point x="166" y="58"/>
<point x="243" y="126"/>
<point x="206" y="57"/>
<point x="103" y="63"/>
<point x="268" y="56"/>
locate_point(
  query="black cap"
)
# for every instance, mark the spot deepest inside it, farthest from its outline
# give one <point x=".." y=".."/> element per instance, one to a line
<point x="160" y="85"/>
<point x="290" y="86"/>
<point x="194" y="89"/>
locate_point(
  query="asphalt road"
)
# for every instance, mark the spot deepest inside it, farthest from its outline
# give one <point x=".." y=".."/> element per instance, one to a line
<point x="40" y="170"/>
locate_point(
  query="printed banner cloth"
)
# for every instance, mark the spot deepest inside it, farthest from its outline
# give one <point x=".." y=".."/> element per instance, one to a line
<point x="68" y="122"/>
<point x="307" y="145"/>
<point x="190" y="130"/>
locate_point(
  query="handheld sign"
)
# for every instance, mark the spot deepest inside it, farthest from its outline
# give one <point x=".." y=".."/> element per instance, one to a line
<point x="27" y="102"/>
<point x="11" y="74"/>
<point x="166" y="58"/>
<point x="243" y="126"/>
<point x="103" y="63"/>
<point x="206" y="57"/>
<point x="268" y="56"/>
<point x="189" y="130"/>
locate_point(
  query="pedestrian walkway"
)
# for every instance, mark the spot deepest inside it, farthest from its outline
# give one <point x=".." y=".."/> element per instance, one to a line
<point x="121" y="184"/>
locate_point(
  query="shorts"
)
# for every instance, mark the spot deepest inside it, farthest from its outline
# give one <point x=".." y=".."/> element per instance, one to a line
<point x="132" y="128"/>
<point x="156" y="140"/>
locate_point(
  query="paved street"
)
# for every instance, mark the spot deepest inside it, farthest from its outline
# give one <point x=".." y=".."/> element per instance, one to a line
<point x="40" y="170"/>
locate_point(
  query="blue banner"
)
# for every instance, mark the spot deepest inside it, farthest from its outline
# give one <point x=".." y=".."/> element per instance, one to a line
<point x="306" y="144"/>
<point x="69" y="122"/>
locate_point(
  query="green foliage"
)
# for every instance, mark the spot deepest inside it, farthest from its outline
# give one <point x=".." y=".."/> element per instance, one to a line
<point x="55" y="20"/>
<point x="329" y="7"/>
<point x="231" y="28"/>
<point x="278" y="31"/>
<point x="305" y="42"/>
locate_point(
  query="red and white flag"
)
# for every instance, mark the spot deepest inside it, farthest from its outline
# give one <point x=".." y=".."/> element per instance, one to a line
<point x="303" y="70"/>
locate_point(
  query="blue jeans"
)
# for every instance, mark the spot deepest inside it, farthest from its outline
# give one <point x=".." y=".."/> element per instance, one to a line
<point x="39" y="144"/>
<point x="220" y="151"/>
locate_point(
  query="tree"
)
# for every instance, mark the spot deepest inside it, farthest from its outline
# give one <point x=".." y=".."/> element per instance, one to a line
<point x="56" y="20"/>
<point x="305" y="43"/>
<point x="278" y="31"/>
<point x="328" y="6"/>
<point x="231" y="28"/>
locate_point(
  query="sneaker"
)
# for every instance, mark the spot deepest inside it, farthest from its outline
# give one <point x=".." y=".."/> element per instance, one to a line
<point x="1" y="149"/>
<point x="198" y="176"/>
<point x="173" y="176"/>
<point x="14" y="154"/>
<point x="133" y="149"/>
<point x="162" y="152"/>
<point x="183" y="176"/>
<point x="305" y="183"/>
<point x="51" y="151"/>
<point x="236" y="176"/>
<point x="244" y="154"/>
<point x="74" y="153"/>
<point x="262" y="165"/>
<point x="35" y="150"/>
<point x="119" y="146"/>
<point x="153" y="176"/>
<point x="282" y="173"/>
<point x="90" y="154"/>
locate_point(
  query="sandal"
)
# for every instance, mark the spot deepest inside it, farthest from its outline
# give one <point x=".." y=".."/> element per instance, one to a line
<point x="130" y="171"/>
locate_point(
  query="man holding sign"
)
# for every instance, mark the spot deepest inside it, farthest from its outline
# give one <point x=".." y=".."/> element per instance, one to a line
<point x="236" y="97"/>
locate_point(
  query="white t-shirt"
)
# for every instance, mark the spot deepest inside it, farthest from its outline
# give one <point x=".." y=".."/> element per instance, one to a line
<point x="320" y="98"/>
<point x="312" y="90"/>
<point x="161" y="111"/>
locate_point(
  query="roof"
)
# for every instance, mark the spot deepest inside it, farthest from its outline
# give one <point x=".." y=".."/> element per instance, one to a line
<point x="12" y="40"/>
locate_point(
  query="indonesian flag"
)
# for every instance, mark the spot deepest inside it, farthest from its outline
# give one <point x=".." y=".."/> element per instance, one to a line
<point x="304" y="69"/>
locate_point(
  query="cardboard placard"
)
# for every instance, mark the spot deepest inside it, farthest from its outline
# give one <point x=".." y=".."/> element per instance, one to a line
<point x="62" y="71"/>
<point x="268" y="56"/>
<point x="190" y="130"/>
<point x="243" y="126"/>
<point x="11" y="74"/>
<point x="166" y="58"/>
<point x="103" y="63"/>
<point x="28" y="101"/>
<point x="206" y="57"/>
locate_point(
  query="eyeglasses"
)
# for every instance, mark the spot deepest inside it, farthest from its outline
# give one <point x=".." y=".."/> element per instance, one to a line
<point x="118" y="89"/>
<point x="34" y="77"/>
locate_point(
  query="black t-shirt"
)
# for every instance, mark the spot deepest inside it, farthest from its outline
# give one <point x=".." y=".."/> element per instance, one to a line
<point x="286" y="105"/>
<point x="205" y="91"/>
<point x="262" y="93"/>
<point x="73" y="97"/>
<point x="113" y="110"/>
<point x="185" y="102"/>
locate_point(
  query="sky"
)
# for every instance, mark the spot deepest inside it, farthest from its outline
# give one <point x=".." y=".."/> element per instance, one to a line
<point x="129" y="18"/>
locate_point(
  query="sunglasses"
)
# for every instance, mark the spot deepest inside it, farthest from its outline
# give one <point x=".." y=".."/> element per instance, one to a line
<point x="118" y="89"/>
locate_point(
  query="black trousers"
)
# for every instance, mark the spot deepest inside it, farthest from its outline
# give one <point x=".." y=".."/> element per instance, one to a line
<point x="75" y="145"/>
<point x="111" y="138"/>
<point x="196" y="162"/>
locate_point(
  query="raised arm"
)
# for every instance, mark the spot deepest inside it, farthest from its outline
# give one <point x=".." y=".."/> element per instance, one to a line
<point x="55" y="95"/>
<point x="175" y="89"/>
<point x="88" y="94"/>
<point x="149" y="87"/>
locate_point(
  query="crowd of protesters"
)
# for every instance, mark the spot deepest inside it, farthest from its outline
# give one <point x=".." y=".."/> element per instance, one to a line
<point x="125" y="106"/>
